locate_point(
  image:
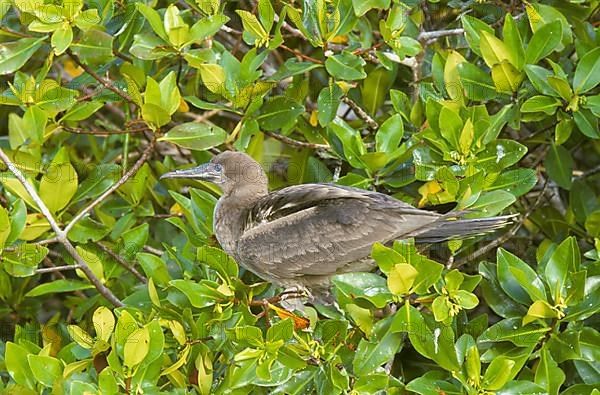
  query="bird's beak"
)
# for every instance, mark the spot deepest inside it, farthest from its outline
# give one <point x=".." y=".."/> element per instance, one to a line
<point x="205" y="172"/>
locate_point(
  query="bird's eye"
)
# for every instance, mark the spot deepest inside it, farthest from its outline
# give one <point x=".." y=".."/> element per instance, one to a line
<point x="218" y="167"/>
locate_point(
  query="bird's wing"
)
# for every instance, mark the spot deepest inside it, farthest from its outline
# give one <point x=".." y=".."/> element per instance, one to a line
<point x="316" y="229"/>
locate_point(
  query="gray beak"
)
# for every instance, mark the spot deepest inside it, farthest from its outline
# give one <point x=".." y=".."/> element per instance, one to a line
<point x="206" y="172"/>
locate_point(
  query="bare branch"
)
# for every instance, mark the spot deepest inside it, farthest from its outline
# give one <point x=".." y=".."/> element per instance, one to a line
<point x="122" y="262"/>
<point x="101" y="80"/>
<point x="434" y="35"/>
<point x="295" y="143"/>
<point x="61" y="235"/>
<point x="362" y="114"/>
<point x="131" y="172"/>
<point x="33" y="193"/>
<point x="57" y="268"/>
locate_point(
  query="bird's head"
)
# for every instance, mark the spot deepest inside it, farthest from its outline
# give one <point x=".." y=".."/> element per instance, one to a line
<point x="234" y="172"/>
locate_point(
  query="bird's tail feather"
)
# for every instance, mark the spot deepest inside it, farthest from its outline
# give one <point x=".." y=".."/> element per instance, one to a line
<point x="452" y="228"/>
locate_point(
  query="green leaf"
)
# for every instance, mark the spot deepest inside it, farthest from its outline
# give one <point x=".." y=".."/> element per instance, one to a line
<point x="80" y="336"/>
<point x="137" y="347"/>
<point x="371" y="355"/>
<point x="60" y="176"/>
<point x="477" y="83"/>
<point x="587" y="123"/>
<point x="452" y="81"/>
<point x="45" y="369"/>
<point x="511" y="330"/>
<point x="545" y="40"/>
<point x="559" y="165"/>
<point x="155" y="114"/>
<point x="539" y="309"/>
<point x="473" y="364"/>
<point x="104" y="323"/>
<point x="62" y="38"/>
<point x="563" y="131"/>
<point x="56" y="286"/>
<point x="206" y="27"/>
<point x="279" y="112"/>
<point x="518" y="279"/>
<point x="23" y="261"/>
<point x="543" y="104"/>
<point x="92" y="260"/>
<point x="516" y="182"/>
<point x="562" y="87"/>
<point x="361" y="7"/>
<point x="328" y="102"/>
<point x="346" y="66"/>
<point x="213" y="77"/>
<point x="538" y="76"/>
<point x="374" y="89"/>
<point x="199" y="294"/>
<point x="82" y="111"/>
<point x="492" y="203"/>
<point x="548" y="374"/>
<point x="587" y="73"/>
<point x="506" y="77"/>
<point x="218" y="260"/>
<point x="17" y="365"/>
<point x="154" y="19"/>
<point x="564" y="261"/>
<point x="493" y="50"/>
<point x="390" y="133"/>
<point x="497" y="373"/>
<point x="495" y="296"/>
<point x="253" y="27"/>
<point x="367" y="286"/>
<point x="195" y="136"/>
<point x="13" y="55"/>
<point x="473" y="28"/>
<point x="401" y="278"/>
<point x="5" y="227"/>
<point x="514" y="42"/>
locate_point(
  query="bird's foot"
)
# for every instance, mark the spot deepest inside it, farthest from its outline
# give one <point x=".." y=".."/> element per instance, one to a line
<point x="290" y="299"/>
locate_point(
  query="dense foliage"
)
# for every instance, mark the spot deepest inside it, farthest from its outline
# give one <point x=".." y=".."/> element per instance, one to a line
<point x="111" y="281"/>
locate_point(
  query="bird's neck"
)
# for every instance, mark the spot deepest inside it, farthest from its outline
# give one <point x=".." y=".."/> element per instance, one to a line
<point x="231" y="213"/>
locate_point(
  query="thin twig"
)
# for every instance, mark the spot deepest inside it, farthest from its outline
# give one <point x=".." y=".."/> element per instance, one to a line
<point x="295" y="143"/>
<point x="300" y="54"/>
<point x="57" y="268"/>
<point x="122" y="262"/>
<point x="152" y="250"/>
<point x="131" y="172"/>
<point x="101" y="80"/>
<point x="433" y="35"/>
<point x="102" y="132"/>
<point x="362" y="114"/>
<point x="61" y="235"/>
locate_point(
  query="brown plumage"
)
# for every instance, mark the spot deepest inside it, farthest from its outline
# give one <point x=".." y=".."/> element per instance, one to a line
<point x="301" y="235"/>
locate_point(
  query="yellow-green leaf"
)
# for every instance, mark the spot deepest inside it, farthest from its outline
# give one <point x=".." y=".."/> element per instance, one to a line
<point x="104" y="323"/>
<point x="137" y="347"/>
<point x="401" y="278"/>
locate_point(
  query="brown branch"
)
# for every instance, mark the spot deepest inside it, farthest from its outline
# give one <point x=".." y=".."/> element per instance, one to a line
<point x="61" y="235"/>
<point x="122" y="262"/>
<point x="434" y="35"/>
<point x="101" y="80"/>
<point x="57" y="268"/>
<point x="295" y="143"/>
<point x="102" y="132"/>
<point x="301" y="55"/>
<point x="131" y="172"/>
<point x="362" y="114"/>
<point x="152" y="250"/>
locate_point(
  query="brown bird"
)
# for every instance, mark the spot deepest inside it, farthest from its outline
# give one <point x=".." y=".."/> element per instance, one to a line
<point x="300" y="236"/>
